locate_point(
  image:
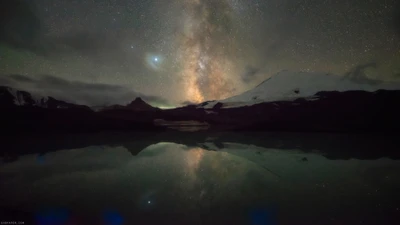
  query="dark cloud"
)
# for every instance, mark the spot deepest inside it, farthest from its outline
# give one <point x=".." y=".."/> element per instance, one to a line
<point x="186" y="103"/>
<point x="79" y="92"/>
<point x="249" y="74"/>
<point x="20" y="78"/>
<point x="20" y="26"/>
<point x="5" y="82"/>
<point x="396" y="19"/>
<point x="357" y="74"/>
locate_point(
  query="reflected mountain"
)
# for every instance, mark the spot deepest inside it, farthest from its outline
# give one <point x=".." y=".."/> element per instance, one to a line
<point x="332" y="146"/>
<point x="169" y="183"/>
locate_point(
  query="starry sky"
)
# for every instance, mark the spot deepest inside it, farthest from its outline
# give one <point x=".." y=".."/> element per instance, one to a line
<point x="174" y="52"/>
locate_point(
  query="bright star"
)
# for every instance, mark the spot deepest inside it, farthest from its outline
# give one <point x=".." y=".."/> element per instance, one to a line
<point x="154" y="61"/>
<point x="149" y="202"/>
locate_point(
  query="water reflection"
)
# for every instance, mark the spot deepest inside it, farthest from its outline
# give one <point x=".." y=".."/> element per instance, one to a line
<point x="238" y="184"/>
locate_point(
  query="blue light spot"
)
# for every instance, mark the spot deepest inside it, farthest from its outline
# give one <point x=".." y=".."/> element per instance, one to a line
<point x="156" y="59"/>
<point x="52" y="217"/>
<point x="263" y="217"/>
<point x="112" y="218"/>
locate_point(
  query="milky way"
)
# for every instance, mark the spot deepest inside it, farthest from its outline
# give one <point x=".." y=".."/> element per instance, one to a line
<point x="177" y="52"/>
<point x="205" y="65"/>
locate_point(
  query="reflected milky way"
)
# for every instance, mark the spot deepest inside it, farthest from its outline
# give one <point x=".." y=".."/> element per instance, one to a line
<point x="173" y="179"/>
<point x="193" y="159"/>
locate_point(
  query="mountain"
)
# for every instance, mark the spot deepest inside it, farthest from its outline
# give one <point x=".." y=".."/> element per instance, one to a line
<point x="288" y="86"/>
<point x="339" y="108"/>
<point x="21" y="112"/>
<point x="136" y="105"/>
<point x="330" y="111"/>
<point x="140" y="105"/>
<point x="10" y="97"/>
<point x="304" y="102"/>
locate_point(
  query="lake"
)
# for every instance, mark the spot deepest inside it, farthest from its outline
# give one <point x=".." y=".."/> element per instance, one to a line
<point x="202" y="178"/>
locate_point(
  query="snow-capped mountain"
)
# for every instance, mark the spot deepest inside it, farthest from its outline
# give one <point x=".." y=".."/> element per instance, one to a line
<point x="10" y="97"/>
<point x="287" y="86"/>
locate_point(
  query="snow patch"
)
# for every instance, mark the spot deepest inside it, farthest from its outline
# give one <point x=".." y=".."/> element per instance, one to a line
<point x="20" y="99"/>
<point x="14" y="93"/>
<point x="210" y="112"/>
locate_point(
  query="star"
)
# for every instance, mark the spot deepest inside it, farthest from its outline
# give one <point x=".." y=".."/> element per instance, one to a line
<point x="191" y="50"/>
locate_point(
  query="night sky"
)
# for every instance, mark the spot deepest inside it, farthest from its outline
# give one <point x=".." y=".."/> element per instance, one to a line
<point x="171" y="52"/>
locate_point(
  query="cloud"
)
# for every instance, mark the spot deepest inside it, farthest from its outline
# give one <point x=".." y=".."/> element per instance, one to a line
<point x="249" y="74"/>
<point x="79" y="92"/>
<point x="20" y="27"/>
<point x="186" y="103"/>
<point x="21" y="78"/>
<point x="357" y="74"/>
<point x="4" y="82"/>
<point x="396" y="19"/>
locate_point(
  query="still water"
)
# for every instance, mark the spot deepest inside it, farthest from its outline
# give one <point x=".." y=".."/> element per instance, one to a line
<point x="214" y="181"/>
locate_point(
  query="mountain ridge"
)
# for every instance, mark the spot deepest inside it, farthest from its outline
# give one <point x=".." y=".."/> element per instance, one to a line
<point x="325" y="111"/>
<point x="288" y="85"/>
<point x="11" y="97"/>
<point x="138" y="104"/>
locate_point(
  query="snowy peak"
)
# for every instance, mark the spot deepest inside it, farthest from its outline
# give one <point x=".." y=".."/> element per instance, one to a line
<point x="10" y="97"/>
<point x="288" y="86"/>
